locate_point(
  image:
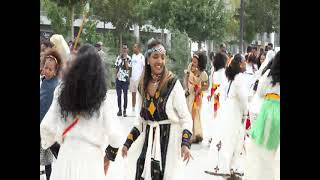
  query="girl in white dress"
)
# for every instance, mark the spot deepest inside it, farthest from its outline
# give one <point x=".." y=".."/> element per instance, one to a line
<point x="79" y="119"/>
<point x="263" y="149"/>
<point x="227" y="147"/>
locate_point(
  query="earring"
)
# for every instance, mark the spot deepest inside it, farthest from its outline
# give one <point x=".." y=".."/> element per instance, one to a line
<point x="148" y="63"/>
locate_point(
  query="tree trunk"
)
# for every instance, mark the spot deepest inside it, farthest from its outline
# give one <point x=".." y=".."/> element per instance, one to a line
<point x="241" y="26"/>
<point x="120" y="41"/>
<point x="72" y="19"/>
<point x="162" y="35"/>
<point x="137" y="32"/>
<point x="199" y="45"/>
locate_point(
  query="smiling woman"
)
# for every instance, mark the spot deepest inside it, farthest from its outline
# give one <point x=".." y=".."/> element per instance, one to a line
<point x="160" y="140"/>
<point x="196" y="81"/>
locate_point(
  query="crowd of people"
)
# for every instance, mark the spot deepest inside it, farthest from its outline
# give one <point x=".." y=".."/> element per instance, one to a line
<point x="81" y="135"/>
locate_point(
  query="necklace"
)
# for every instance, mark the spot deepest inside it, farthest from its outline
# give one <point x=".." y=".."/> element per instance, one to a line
<point x="155" y="84"/>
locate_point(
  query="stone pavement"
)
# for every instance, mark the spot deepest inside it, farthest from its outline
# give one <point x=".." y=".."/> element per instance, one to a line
<point x="195" y="168"/>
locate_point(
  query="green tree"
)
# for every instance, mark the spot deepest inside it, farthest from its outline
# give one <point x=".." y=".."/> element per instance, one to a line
<point x="71" y="6"/>
<point x="56" y="15"/>
<point x="62" y="14"/>
<point x="179" y="54"/>
<point x="261" y="16"/>
<point x="119" y="12"/>
<point x="200" y="19"/>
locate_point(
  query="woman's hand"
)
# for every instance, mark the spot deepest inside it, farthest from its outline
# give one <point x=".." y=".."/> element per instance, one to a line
<point x="124" y="151"/>
<point x="185" y="153"/>
<point x="106" y="165"/>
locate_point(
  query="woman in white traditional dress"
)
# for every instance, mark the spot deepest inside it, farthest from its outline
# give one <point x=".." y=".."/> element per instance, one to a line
<point x="159" y="142"/>
<point x="219" y="81"/>
<point x="263" y="148"/>
<point x="79" y="119"/>
<point x="217" y="86"/>
<point x="227" y="147"/>
<point x="256" y="102"/>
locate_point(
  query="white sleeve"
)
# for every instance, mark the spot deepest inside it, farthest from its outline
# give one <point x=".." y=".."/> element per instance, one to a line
<point x="51" y="125"/>
<point x="138" y="121"/>
<point x="112" y="126"/>
<point x="242" y="92"/>
<point x="143" y="60"/>
<point x="180" y="105"/>
<point x="263" y="84"/>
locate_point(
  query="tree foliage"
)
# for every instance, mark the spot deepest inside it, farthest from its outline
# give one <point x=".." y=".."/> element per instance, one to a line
<point x="200" y="19"/>
<point x="261" y="16"/>
<point x="119" y="12"/>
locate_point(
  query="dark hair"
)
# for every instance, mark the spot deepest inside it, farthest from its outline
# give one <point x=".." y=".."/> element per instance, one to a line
<point x="249" y="49"/>
<point x="84" y="87"/>
<point x="270" y="44"/>
<point x="255" y="48"/>
<point x="55" y="54"/>
<point x="211" y="55"/>
<point x="219" y="61"/>
<point x="259" y="58"/>
<point x="222" y="45"/>
<point x="234" y="68"/>
<point x="252" y="59"/>
<point x="261" y="50"/>
<point x="47" y="43"/>
<point x="146" y="76"/>
<point x="275" y="69"/>
<point x="202" y="60"/>
<point x="124" y="44"/>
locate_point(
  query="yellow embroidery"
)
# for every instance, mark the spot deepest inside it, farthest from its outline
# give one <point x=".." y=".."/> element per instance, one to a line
<point x="185" y="136"/>
<point x="130" y="137"/>
<point x="152" y="108"/>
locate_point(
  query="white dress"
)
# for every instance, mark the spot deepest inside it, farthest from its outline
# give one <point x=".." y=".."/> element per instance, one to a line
<point x="82" y="152"/>
<point x="180" y="119"/>
<point x="220" y="78"/>
<point x="255" y="104"/>
<point x="260" y="163"/>
<point x="227" y="147"/>
<point x="251" y="70"/>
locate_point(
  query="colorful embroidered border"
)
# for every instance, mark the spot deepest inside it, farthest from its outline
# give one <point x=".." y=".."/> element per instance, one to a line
<point x="111" y="153"/>
<point x="133" y="135"/>
<point x="186" y="136"/>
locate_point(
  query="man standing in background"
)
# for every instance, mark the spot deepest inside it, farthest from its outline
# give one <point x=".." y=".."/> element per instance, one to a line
<point x="138" y="63"/>
<point x="123" y="65"/>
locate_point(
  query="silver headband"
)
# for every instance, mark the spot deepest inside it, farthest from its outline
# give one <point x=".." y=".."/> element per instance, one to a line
<point x="159" y="49"/>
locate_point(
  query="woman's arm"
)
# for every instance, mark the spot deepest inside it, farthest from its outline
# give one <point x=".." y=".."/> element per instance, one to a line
<point x="185" y="119"/>
<point x="51" y="124"/>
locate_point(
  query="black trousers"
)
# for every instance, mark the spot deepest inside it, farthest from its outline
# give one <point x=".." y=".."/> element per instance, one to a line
<point x="122" y="86"/>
